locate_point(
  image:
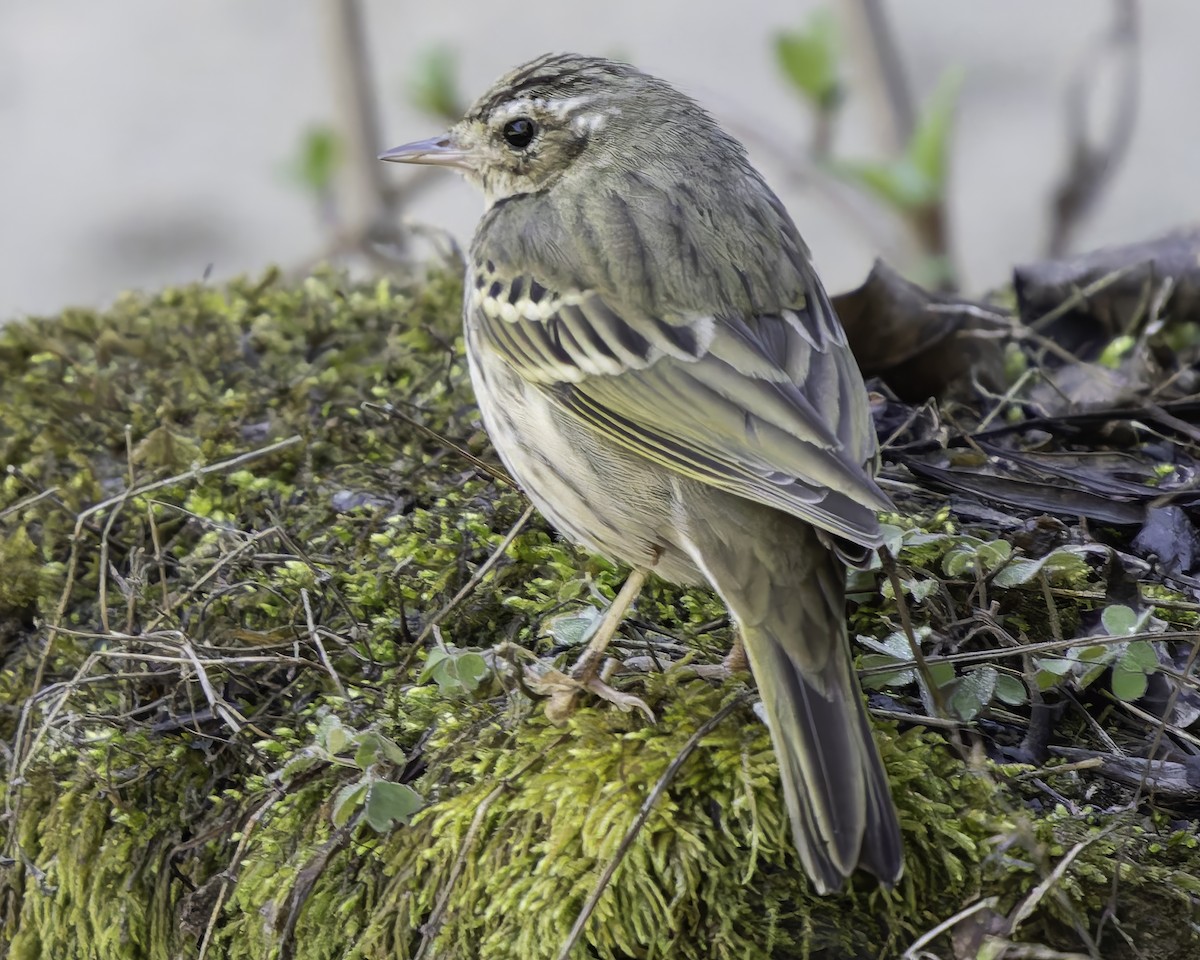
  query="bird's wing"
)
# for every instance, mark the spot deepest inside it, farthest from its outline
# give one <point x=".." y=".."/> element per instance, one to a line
<point x="768" y="407"/>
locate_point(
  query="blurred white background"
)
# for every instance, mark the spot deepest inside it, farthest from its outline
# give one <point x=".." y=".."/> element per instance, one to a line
<point x="143" y="142"/>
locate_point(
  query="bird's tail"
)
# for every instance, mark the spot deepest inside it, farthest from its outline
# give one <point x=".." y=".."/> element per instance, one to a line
<point x="834" y="784"/>
<point x="787" y="594"/>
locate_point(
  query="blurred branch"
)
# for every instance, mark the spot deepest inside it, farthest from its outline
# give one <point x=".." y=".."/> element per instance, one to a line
<point x="1093" y="161"/>
<point x="370" y="204"/>
<point x="888" y="87"/>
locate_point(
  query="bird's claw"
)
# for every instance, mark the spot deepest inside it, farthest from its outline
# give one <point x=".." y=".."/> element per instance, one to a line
<point x="563" y="690"/>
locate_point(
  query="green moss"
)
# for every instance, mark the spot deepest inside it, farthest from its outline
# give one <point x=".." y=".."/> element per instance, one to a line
<point x="168" y="657"/>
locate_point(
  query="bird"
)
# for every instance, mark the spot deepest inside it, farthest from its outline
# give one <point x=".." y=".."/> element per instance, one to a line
<point x="659" y="367"/>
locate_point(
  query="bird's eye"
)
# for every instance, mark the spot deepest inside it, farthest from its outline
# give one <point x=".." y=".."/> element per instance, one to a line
<point x="519" y="133"/>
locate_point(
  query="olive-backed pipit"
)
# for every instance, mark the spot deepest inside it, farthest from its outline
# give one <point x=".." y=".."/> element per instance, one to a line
<point x="661" y="370"/>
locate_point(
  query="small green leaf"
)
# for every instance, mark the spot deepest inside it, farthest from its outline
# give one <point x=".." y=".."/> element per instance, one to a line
<point x="346" y="801"/>
<point x="896" y="645"/>
<point x="876" y="681"/>
<point x="318" y="159"/>
<point x="370" y="749"/>
<point x="1127" y="684"/>
<point x="1055" y="665"/>
<point x="332" y="735"/>
<point x="299" y="763"/>
<point x="434" y="88"/>
<point x="391" y="803"/>
<point x="1140" y="655"/>
<point x="1119" y="620"/>
<point x="973" y="692"/>
<point x="454" y="671"/>
<point x="917" y="178"/>
<point x="941" y="673"/>
<point x="991" y="555"/>
<point x="573" y="629"/>
<point x="392" y="751"/>
<point x="975" y="555"/>
<point x="1011" y="690"/>
<point x="1117" y="350"/>
<point x="809" y="59"/>
<point x="917" y="588"/>
<point x="471" y="668"/>
<point x="1064" y="563"/>
<point x="897" y="183"/>
<point x="1051" y="671"/>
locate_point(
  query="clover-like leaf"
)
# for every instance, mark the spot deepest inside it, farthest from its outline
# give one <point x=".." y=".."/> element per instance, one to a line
<point x="573" y="629"/>
<point x="455" y="671"/>
<point x="333" y="735"/>
<point x="374" y="747"/>
<point x="1119" y="620"/>
<point x="1063" y="563"/>
<point x="1128" y="683"/>
<point x="388" y="804"/>
<point x="975" y="556"/>
<point x="972" y="692"/>
<point x="1051" y="671"/>
<point x="346" y="801"/>
<point x="1011" y="690"/>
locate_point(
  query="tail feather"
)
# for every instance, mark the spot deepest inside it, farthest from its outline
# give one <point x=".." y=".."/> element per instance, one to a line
<point x="786" y="590"/>
<point x="834" y="784"/>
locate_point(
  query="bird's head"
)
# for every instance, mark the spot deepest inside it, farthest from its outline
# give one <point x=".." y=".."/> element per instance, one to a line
<point x="567" y="116"/>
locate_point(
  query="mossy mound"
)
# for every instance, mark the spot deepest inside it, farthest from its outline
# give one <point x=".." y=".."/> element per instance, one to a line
<point x="223" y="560"/>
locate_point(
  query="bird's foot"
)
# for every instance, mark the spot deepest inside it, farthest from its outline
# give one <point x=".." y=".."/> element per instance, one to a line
<point x="563" y="689"/>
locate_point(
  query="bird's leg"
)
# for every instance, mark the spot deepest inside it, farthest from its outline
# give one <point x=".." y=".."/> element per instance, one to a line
<point x="586" y="674"/>
<point x="587" y="667"/>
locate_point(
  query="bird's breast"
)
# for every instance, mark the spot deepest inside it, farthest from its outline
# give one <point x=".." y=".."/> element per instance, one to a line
<point x="609" y="500"/>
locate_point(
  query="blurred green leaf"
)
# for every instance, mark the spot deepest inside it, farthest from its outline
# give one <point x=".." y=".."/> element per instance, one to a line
<point x="434" y="85"/>
<point x="1116" y="351"/>
<point x="917" y="178"/>
<point x="809" y="59"/>
<point x="573" y="629"/>
<point x="318" y="159"/>
<point x="930" y="142"/>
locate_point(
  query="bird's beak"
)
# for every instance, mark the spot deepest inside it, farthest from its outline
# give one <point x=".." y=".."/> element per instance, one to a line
<point x="440" y="151"/>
